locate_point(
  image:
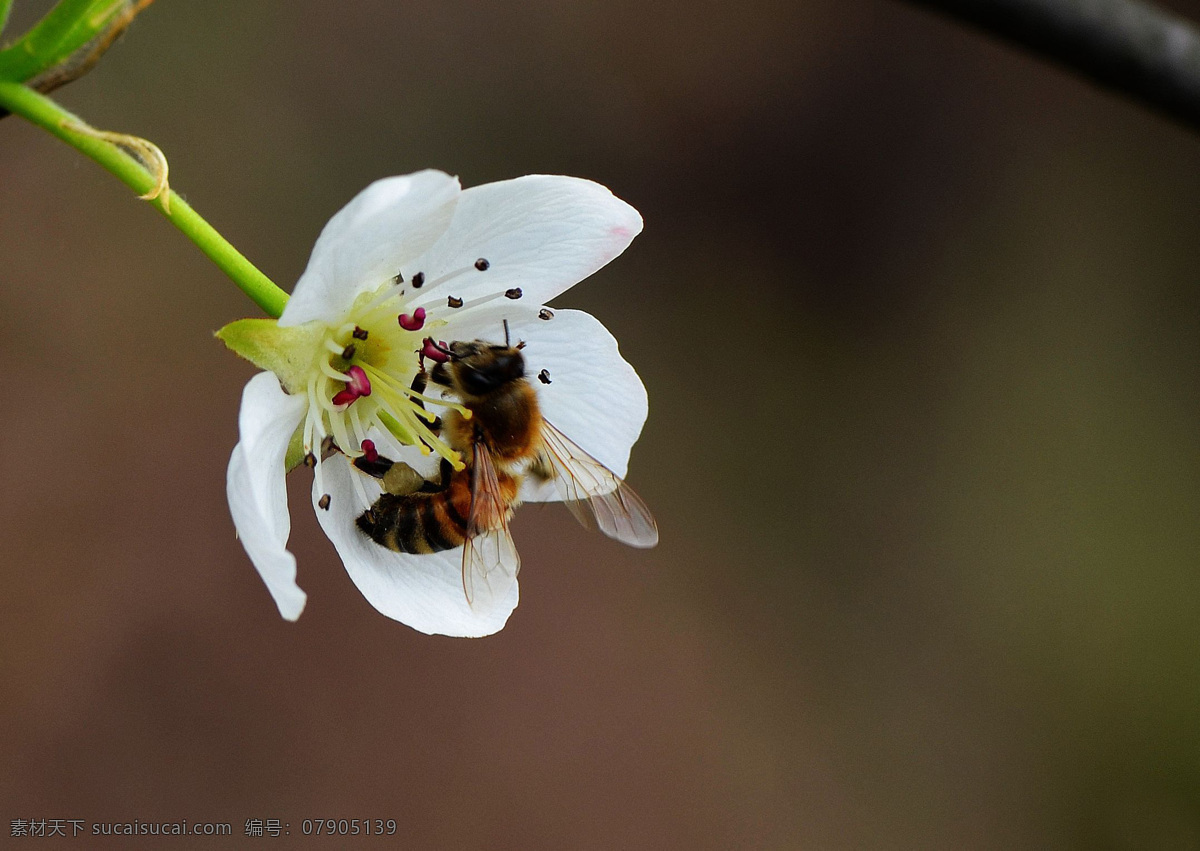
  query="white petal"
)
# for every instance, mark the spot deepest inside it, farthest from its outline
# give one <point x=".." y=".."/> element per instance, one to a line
<point x="378" y="234"/>
<point x="257" y="491"/>
<point x="594" y="396"/>
<point x="542" y="233"/>
<point x="423" y="591"/>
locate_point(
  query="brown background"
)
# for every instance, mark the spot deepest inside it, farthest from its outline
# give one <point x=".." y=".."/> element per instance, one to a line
<point x="918" y="317"/>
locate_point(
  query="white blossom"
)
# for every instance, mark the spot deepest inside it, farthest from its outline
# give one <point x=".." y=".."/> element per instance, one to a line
<point x="409" y="259"/>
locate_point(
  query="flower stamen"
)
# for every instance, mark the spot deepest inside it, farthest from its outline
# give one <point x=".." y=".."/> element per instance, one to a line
<point x="330" y="372"/>
<point x="480" y="265"/>
<point x="392" y="383"/>
<point x="476" y="302"/>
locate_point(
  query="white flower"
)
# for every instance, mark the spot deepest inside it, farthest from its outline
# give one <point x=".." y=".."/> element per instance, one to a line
<point x="412" y="258"/>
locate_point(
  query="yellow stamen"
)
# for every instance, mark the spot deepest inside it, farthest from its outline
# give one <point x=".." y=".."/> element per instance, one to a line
<point x="413" y="394"/>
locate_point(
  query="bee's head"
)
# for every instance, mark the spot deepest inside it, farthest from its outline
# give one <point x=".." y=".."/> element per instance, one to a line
<point x="480" y="368"/>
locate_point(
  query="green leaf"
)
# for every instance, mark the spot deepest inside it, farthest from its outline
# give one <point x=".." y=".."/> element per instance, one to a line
<point x="66" y="28"/>
<point x="290" y="353"/>
<point x="5" y="8"/>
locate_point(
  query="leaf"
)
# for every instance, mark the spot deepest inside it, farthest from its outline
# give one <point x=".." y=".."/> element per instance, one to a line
<point x="66" y="28"/>
<point x="289" y="352"/>
<point x="5" y="8"/>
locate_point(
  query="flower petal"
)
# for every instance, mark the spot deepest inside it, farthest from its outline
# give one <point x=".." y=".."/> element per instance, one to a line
<point x="542" y="233"/>
<point x="257" y="491"/>
<point x="423" y="591"/>
<point x="378" y="234"/>
<point x="594" y="396"/>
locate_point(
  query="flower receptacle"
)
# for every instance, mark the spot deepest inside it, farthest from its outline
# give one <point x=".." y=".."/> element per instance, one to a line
<point x="286" y="351"/>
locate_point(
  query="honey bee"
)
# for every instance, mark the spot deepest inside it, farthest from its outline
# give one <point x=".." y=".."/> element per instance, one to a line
<point x="504" y="440"/>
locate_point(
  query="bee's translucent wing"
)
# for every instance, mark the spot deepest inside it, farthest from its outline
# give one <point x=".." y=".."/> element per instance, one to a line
<point x="594" y="493"/>
<point x="490" y="561"/>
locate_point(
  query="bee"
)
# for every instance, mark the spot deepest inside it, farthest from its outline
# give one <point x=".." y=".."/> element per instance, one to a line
<point x="503" y="441"/>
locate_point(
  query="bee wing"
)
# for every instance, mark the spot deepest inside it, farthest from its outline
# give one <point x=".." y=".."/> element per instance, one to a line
<point x="490" y="561"/>
<point x="594" y="494"/>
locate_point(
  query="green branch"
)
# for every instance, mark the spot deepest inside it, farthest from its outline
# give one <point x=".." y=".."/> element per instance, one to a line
<point x="45" y="113"/>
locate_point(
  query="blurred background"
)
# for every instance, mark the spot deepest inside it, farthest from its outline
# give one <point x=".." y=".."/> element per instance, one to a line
<point x="918" y="317"/>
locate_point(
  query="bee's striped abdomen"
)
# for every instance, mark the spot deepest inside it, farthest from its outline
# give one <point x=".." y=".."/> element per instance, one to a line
<point x="420" y="523"/>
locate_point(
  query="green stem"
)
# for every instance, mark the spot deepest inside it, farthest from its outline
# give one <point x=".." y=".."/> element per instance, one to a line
<point x="42" y="111"/>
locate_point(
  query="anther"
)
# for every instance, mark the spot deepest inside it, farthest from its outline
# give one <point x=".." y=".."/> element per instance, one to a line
<point x="348" y="352"/>
<point x="398" y="278"/>
<point x="310" y="460"/>
<point x="454" y="302"/>
<point x="369" y="451"/>
<point x="482" y="264"/>
<point x="418" y="280"/>
<point x="324" y="501"/>
<point x="412" y="323"/>
<point x="359" y="333"/>
<point x="545" y="313"/>
<point x="328" y="447"/>
<point x="514" y="293"/>
<point x="431" y="351"/>
<point x="544" y="376"/>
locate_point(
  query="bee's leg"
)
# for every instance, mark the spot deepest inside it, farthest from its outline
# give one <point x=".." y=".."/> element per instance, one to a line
<point x="443" y="479"/>
<point x="440" y="375"/>
<point x="541" y="468"/>
<point x="375" y="467"/>
<point x="396" y="477"/>
<point x="401" y="480"/>
<point x="419" y="383"/>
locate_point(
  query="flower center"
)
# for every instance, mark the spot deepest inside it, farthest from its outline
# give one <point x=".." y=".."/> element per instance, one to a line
<point x="363" y="378"/>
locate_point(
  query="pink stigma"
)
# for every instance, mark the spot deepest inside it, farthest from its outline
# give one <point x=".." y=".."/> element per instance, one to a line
<point x="412" y="323"/>
<point x="433" y="353"/>
<point x="359" y="385"/>
<point x="369" y="452"/>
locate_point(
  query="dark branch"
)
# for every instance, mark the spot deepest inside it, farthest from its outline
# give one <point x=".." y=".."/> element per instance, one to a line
<point x="1143" y="52"/>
